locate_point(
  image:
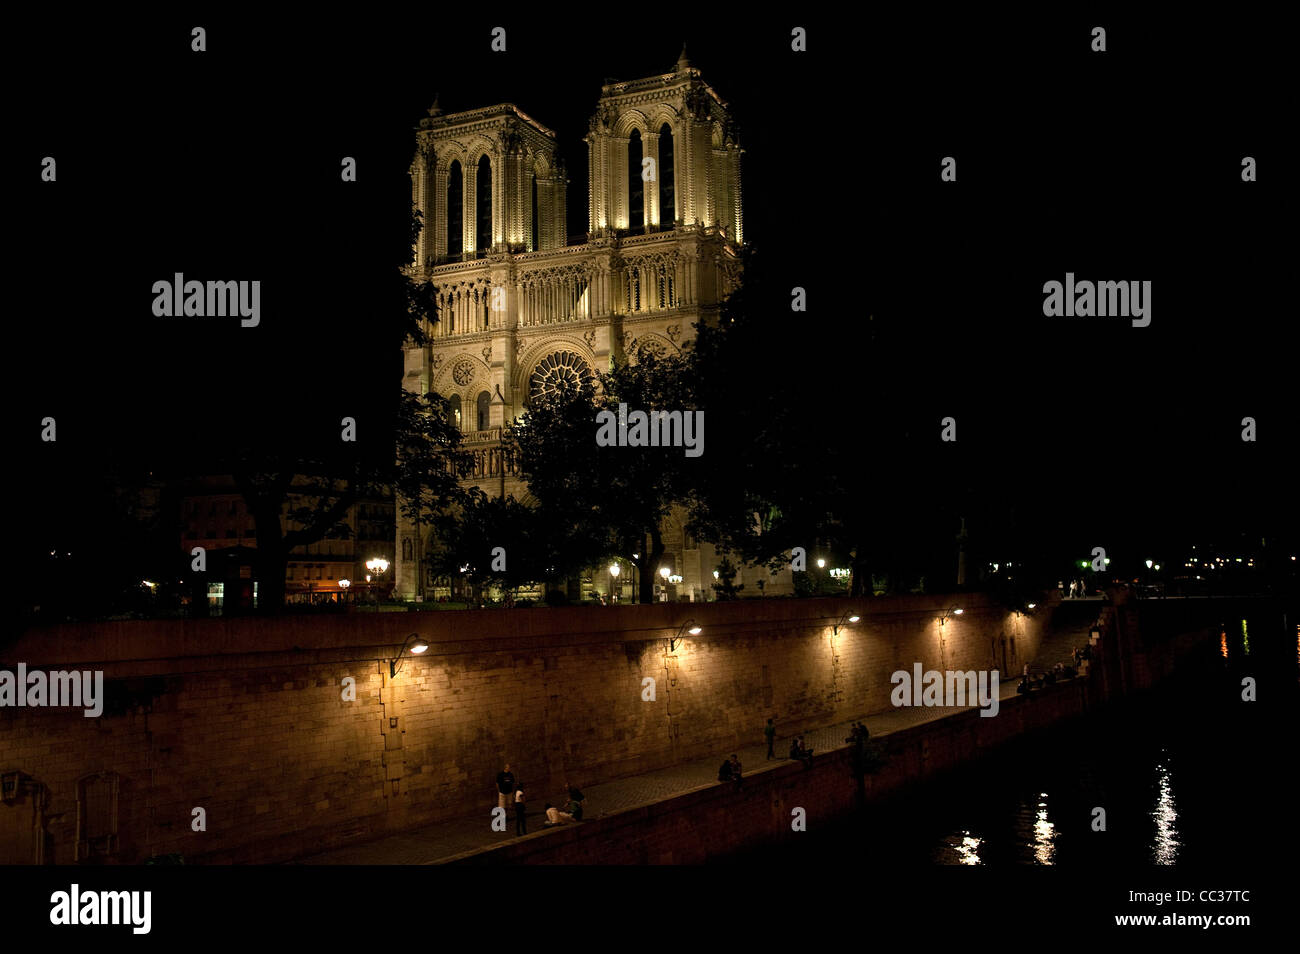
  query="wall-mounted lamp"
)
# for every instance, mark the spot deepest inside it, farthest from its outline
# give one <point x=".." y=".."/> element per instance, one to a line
<point x="951" y="611"/>
<point x="846" y="618"/>
<point x="693" y="630"/>
<point x="417" y="645"/>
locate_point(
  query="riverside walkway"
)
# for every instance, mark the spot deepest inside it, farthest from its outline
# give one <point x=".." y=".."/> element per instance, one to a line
<point x="455" y="837"/>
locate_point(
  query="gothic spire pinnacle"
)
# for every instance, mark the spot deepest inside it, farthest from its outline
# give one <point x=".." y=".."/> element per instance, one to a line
<point x="435" y="109"/>
<point x="683" y="62"/>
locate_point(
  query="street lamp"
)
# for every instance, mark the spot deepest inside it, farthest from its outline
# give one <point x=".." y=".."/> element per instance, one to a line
<point x="693" y="630"/>
<point x="343" y="585"/>
<point x="849" y="617"/>
<point x="417" y="645"/>
<point x="377" y="566"/>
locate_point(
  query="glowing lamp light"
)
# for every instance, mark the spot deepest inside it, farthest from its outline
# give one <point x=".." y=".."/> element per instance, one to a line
<point x="1032" y="605"/>
<point x="821" y="563"/>
<point x="614" y="569"/>
<point x="690" y="626"/>
<point x="663" y="571"/>
<point x="1148" y="564"/>
<point x="416" y="645"/>
<point x="849" y="617"/>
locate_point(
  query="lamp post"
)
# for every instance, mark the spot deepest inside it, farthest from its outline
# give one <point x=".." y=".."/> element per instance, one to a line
<point x="343" y="585"/>
<point x="614" y="570"/>
<point x="681" y="631"/>
<point x="417" y="645"/>
<point x="943" y="649"/>
<point x="377" y="566"/>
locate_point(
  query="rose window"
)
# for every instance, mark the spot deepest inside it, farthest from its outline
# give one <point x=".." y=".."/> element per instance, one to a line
<point x="559" y="372"/>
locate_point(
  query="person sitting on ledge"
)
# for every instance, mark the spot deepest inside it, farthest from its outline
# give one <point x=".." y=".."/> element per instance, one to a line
<point x="798" y="751"/>
<point x="556" y="817"/>
<point x="724" y="771"/>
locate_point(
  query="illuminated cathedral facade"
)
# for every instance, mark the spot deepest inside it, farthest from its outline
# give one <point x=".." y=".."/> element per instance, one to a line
<point x="523" y="306"/>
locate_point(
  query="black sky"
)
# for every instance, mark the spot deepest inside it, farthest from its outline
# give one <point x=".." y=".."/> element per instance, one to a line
<point x="1123" y="165"/>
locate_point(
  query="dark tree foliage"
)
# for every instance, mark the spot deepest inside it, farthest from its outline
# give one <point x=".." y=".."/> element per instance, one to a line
<point x="614" y="498"/>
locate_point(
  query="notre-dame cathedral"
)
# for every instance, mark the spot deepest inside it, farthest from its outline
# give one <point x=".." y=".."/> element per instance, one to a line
<point x="522" y="306"/>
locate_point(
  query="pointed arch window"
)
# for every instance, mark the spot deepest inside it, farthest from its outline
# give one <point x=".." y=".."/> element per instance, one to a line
<point x="455" y="210"/>
<point x="484" y="404"/>
<point x="483" y="205"/>
<point x="636" y="187"/>
<point x="453" y="410"/>
<point x="667" y="197"/>
<point x="533" y="247"/>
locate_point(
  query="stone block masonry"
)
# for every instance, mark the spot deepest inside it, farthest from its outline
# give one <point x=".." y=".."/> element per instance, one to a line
<point x="246" y="718"/>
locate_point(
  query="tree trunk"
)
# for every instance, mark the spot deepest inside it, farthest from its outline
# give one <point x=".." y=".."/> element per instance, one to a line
<point x="268" y="571"/>
<point x="861" y="585"/>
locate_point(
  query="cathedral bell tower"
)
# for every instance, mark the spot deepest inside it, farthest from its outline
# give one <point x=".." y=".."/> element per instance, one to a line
<point x="486" y="181"/>
<point x="663" y="151"/>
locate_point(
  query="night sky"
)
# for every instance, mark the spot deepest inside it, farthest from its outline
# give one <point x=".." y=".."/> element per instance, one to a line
<point x="1115" y="166"/>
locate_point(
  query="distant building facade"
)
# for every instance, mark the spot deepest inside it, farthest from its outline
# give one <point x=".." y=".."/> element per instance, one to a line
<point x="214" y="516"/>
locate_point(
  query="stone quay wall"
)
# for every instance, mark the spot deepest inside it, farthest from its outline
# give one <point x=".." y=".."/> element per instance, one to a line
<point x="247" y="718"/>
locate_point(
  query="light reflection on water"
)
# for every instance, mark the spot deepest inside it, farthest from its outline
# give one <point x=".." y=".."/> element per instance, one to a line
<point x="1044" y="833"/>
<point x="962" y="848"/>
<point x="1165" y="816"/>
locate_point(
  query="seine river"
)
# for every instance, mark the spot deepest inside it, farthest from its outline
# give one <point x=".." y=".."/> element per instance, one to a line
<point x="1187" y="775"/>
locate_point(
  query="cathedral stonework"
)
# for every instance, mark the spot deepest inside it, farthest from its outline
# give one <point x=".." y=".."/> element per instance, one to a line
<point x="522" y="308"/>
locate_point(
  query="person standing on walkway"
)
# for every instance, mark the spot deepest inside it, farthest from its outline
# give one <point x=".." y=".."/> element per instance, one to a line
<point x="521" y="815"/>
<point x="770" y="734"/>
<point x="735" y="771"/>
<point x="505" y="787"/>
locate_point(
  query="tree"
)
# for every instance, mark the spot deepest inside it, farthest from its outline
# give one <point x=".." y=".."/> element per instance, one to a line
<point x="614" y="498"/>
<point x="498" y="540"/>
